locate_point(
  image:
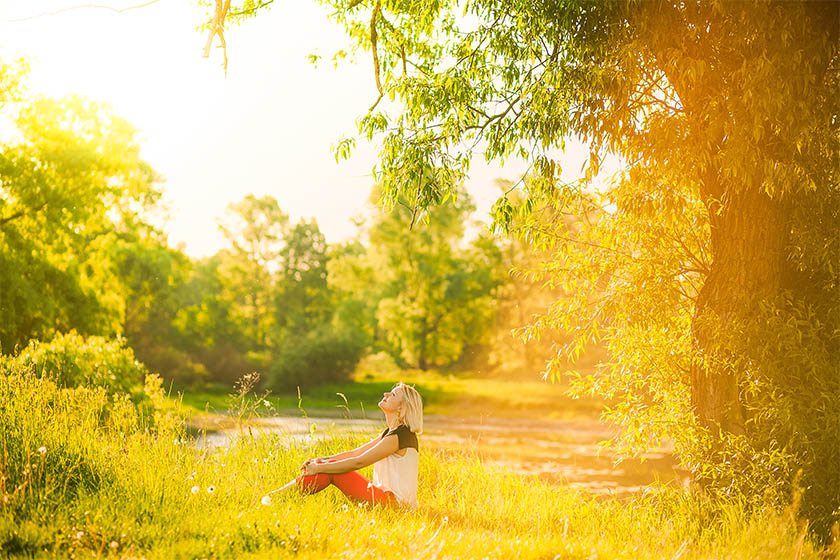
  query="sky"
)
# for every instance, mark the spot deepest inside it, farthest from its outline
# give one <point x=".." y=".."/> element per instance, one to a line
<point x="265" y="128"/>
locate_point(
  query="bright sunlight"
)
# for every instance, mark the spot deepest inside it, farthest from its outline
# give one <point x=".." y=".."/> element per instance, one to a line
<point x="365" y="279"/>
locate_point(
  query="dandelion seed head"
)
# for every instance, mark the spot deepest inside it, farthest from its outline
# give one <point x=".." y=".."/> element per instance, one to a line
<point x="195" y="489"/>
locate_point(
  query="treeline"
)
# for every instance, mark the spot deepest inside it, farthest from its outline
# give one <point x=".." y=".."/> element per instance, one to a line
<point x="78" y="252"/>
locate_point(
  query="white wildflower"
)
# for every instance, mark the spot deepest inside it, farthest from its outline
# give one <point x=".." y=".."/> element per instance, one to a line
<point x="115" y="545"/>
<point x="42" y="450"/>
<point x="195" y="489"/>
<point x="211" y="489"/>
<point x="266" y="500"/>
<point x="345" y="507"/>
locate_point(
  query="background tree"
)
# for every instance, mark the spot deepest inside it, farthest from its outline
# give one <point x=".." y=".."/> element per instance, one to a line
<point x="316" y="344"/>
<point x="155" y="290"/>
<point x="206" y="326"/>
<point x="523" y="297"/>
<point x="352" y="283"/>
<point x="430" y="297"/>
<point x="70" y="187"/>
<point x="302" y="298"/>
<point x="255" y="228"/>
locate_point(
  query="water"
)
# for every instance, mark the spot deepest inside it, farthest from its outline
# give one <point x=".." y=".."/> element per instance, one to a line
<point x="558" y="451"/>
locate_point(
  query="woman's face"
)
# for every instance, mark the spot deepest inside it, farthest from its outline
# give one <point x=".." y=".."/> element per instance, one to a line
<point x="391" y="400"/>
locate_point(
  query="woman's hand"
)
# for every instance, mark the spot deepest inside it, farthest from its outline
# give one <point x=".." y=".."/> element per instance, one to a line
<point x="310" y="467"/>
<point x="317" y="460"/>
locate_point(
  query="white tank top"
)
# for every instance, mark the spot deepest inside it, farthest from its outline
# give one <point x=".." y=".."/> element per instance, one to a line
<point x="398" y="474"/>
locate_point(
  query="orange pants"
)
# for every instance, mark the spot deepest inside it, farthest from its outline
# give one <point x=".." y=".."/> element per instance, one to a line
<point x="352" y="484"/>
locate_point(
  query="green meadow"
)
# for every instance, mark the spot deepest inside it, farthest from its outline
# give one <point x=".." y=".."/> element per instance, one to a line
<point x="89" y="474"/>
<point x="464" y="394"/>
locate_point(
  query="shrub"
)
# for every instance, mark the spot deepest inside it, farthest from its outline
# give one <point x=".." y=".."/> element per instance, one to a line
<point x="379" y="363"/>
<point x="321" y="356"/>
<point x="225" y="362"/>
<point x="174" y="364"/>
<point x="72" y="360"/>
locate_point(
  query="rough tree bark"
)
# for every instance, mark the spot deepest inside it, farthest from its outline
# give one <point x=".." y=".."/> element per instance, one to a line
<point x="748" y="239"/>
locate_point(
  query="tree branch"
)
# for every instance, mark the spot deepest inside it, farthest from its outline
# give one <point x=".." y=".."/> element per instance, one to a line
<point x="217" y="27"/>
<point x="83" y="7"/>
<point x="373" y="37"/>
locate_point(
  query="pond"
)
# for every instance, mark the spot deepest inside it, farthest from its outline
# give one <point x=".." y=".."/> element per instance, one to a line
<point x="558" y="451"/>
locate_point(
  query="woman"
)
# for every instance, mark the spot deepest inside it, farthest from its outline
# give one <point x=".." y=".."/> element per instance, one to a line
<point x="393" y="454"/>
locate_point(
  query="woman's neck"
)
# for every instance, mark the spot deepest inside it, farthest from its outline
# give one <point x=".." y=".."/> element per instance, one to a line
<point x="391" y="420"/>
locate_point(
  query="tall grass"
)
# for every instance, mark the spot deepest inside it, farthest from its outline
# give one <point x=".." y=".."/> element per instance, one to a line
<point x="86" y="473"/>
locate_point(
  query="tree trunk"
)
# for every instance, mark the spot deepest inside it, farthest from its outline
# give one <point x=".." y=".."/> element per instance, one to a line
<point x="748" y="238"/>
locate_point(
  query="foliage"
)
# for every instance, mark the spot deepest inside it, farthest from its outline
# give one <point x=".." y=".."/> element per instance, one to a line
<point x="71" y="181"/>
<point x="255" y="228"/>
<point x="318" y="356"/>
<point x="206" y="326"/>
<point x="303" y="300"/>
<point x="72" y="360"/>
<point x="379" y="363"/>
<point x="522" y="298"/>
<point x="350" y="278"/>
<point x="154" y="280"/>
<point x="428" y="297"/>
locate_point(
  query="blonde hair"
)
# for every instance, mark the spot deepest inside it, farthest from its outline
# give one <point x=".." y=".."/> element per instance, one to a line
<point x="412" y="408"/>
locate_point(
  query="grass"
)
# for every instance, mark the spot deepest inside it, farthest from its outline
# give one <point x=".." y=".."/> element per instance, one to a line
<point x="88" y="474"/>
<point x="463" y="395"/>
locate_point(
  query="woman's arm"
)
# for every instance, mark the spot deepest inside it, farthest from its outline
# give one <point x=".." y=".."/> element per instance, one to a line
<point x="381" y="448"/>
<point x="349" y="454"/>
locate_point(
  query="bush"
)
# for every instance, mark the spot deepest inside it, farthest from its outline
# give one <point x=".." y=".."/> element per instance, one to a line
<point x="321" y="356"/>
<point x="380" y="363"/>
<point x="72" y="360"/>
<point x="225" y="362"/>
<point x="172" y="363"/>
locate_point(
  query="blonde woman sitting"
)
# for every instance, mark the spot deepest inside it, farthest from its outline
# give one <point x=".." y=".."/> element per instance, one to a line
<point x="393" y="454"/>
